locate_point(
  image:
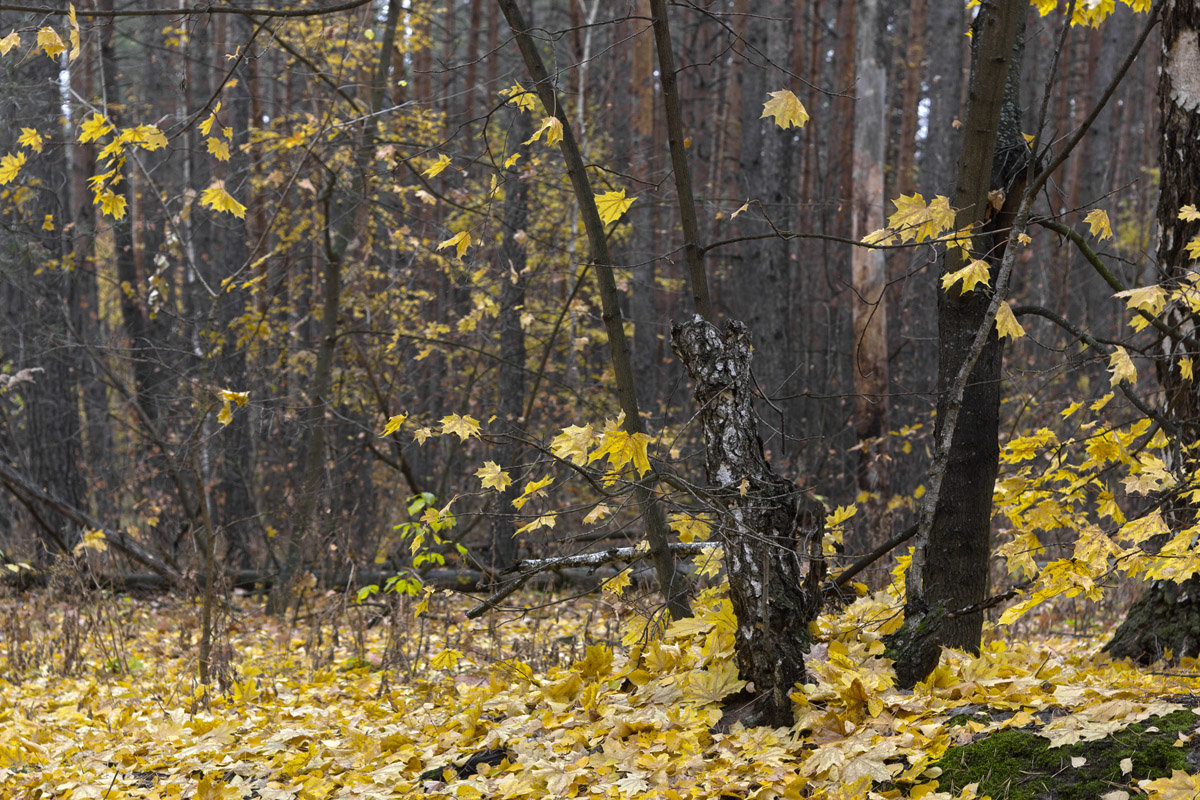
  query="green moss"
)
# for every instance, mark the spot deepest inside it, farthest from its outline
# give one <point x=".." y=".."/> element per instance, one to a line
<point x="1020" y="765"/>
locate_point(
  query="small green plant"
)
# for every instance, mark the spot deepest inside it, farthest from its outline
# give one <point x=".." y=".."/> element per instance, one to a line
<point x="424" y="535"/>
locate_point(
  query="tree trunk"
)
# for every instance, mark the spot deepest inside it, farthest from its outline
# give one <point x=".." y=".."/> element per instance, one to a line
<point x="869" y="278"/>
<point x="950" y="565"/>
<point x="771" y="532"/>
<point x="1167" y="616"/>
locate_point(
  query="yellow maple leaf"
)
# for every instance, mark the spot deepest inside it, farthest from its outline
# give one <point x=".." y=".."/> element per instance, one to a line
<point x="786" y="108"/>
<point x="50" y="42"/>
<point x="553" y="129"/>
<point x="690" y="528"/>
<point x="393" y="424"/>
<point x="617" y="585"/>
<point x="493" y="476"/>
<point x="622" y="447"/>
<point x="1006" y="323"/>
<point x="513" y="159"/>
<point x="1122" y="367"/>
<point x="147" y="137"/>
<point x="218" y="148"/>
<point x="599" y="512"/>
<point x="714" y="684"/>
<point x="421" y="434"/>
<point x="1150" y="299"/>
<point x="216" y="198"/>
<point x="548" y="520"/>
<point x="32" y="139"/>
<point x="111" y="203"/>
<point x="1193" y="247"/>
<point x="435" y="169"/>
<point x="521" y="97"/>
<point x="460" y="241"/>
<point x="206" y="126"/>
<point x="1097" y="221"/>
<point x="1180" y="786"/>
<point x="94" y="127"/>
<point x="611" y="205"/>
<point x="971" y="275"/>
<point x="574" y="443"/>
<point x="9" y="42"/>
<point x="1185" y="368"/>
<point x="913" y="220"/>
<point x="10" y="165"/>
<point x="464" y="427"/>
<point x="1189" y="213"/>
<point x="48" y="222"/>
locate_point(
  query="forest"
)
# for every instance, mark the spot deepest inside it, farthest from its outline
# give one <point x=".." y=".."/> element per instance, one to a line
<point x="599" y="398"/>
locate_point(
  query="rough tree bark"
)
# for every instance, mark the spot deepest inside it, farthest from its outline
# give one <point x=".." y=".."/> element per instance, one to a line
<point x="770" y="530"/>
<point x="1167" y="615"/>
<point x="950" y="565"/>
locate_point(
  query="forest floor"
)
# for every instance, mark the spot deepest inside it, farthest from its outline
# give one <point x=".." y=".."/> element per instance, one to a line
<point x="99" y="698"/>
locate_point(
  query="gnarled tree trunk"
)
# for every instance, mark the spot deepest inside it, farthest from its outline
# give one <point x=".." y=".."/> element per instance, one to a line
<point x="771" y="532"/>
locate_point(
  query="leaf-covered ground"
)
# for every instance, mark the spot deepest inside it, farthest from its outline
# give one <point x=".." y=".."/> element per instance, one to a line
<point x="100" y="700"/>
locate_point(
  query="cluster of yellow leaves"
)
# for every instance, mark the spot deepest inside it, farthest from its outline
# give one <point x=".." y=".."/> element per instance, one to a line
<point x="1052" y="485"/>
<point x="229" y="400"/>
<point x="1092" y="12"/>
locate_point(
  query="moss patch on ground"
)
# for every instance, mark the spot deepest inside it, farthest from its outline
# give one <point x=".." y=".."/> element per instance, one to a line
<point x="1020" y="765"/>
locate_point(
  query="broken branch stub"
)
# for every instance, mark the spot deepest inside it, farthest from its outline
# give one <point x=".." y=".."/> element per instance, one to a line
<point x="771" y="531"/>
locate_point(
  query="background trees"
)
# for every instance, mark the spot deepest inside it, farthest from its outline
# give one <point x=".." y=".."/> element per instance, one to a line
<point x="273" y="273"/>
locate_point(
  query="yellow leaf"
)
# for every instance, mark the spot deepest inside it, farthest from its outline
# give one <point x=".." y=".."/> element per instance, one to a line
<point x="786" y="108"/>
<point x="714" y="684"/>
<point x="520" y="97"/>
<point x="206" y="126"/>
<point x="460" y="241"/>
<point x="553" y="129"/>
<point x="544" y="521"/>
<point x="436" y="167"/>
<point x="1185" y="368"/>
<point x="514" y="158"/>
<point x="9" y="42"/>
<point x="1006" y="323"/>
<point x="463" y="427"/>
<point x="971" y="275"/>
<point x="1180" y="786"/>
<point x="10" y="165"/>
<point x="74" y="22"/>
<point x="1150" y="299"/>
<point x="621" y="448"/>
<point x="32" y="139"/>
<point x="493" y="476"/>
<point x="618" y="584"/>
<point x="447" y="659"/>
<point x="48" y="223"/>
<point x="216" y="198"/>
<point x="1044" y="7"/>
<point x="94" y="127"/>
<point x="597" y="513"/>
<point x="421" y="434"/>
<point x="111" y="203"/>
<point x="914" y="221"/>
<point x="50" y="42"/>
<point x="393" y="424"/>
<point x="840" y="514"/>
<point x="1189" y="213"/>
<point x="92" y="540"/>
<point x="574" y="443"/>
<point x="612" y="205"/>
<point x="218" y="148"/>
<point x="225" y="415"/>
<point x="1024" y="238"/>
<point x="1122" y="367"/>
<point x="1193" y="247"/>
<point x="1097" y="221"/>
<point x="237" y="398"/>
<point x="690" y="528"/>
